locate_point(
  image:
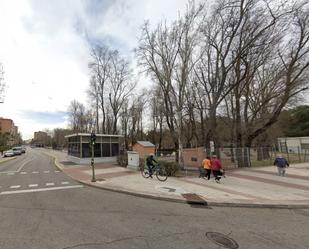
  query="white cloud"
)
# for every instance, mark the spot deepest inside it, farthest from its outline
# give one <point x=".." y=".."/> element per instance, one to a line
<point x="44" y="48"/>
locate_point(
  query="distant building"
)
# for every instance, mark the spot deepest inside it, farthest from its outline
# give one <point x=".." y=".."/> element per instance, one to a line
<point x="293" y="144"/>
<point x="7" y="126"/>
<point x="40" y="135"/>
<point x="41" y="139"/>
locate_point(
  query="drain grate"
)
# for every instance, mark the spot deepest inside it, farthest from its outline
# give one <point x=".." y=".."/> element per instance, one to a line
<point x="194" y="199"/>
<point x="222" y="240"/>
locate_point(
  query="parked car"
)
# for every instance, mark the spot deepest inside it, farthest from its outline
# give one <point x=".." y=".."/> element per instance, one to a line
<point x="23" y="149"/>
<point x="17" y="151"/>
<point x="8" y="153"/>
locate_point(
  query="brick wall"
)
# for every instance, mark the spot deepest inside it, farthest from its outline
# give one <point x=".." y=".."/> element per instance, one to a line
<point x="193" y="157"/>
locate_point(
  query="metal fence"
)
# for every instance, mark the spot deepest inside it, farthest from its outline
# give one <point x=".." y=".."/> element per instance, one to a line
<point x="260" y="156"/>
<point x="247" y="157"/>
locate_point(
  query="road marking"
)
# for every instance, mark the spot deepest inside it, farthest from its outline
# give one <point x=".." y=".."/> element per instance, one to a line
<point x="46" y="171"/>
<point x="20" y="168"/>
<point x="10" y="174"/>
<point x="50" y="184"/>
<point x="35" y="172"/>
<point x="64" y="183"/>
<point x="23" y="173"/>
<point x="57" y="171"/>
<point x="33" y="185"/>
<point x="15" y="186"/>
<point x="39" y="190"/>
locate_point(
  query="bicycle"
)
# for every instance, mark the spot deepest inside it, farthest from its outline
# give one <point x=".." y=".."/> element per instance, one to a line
<point x="156" y="169"/>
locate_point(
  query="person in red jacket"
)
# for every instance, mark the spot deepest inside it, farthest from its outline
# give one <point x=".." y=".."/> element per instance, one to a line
<point x="216" y="168"/>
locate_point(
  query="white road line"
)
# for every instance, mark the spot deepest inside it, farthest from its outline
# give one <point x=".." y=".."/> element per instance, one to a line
<point x="39" y="190"/>
<point x="23" y="173"/>
<point x="64" y="183"/>
<point x="15" y="186"/>
<point x="46" y="171"/>
<point x="57" y="171"/>
<point x="20" y="168"/>
<point x="10" y="174"/>
<point x="50" y="184"/>
<point x="35" y="172"/>
<point x="33" y="185"/>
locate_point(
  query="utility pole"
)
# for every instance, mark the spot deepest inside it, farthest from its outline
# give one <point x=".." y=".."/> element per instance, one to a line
<point x="92" y="142"/>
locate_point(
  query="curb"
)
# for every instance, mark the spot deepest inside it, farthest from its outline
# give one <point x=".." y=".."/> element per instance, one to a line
<point x="183" y="201"/>
<point x="57" y="164"/>
<point x="7" y="159"/>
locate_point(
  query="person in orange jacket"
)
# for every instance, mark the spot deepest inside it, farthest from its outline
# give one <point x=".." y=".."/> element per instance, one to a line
<point x="207" y="166"/>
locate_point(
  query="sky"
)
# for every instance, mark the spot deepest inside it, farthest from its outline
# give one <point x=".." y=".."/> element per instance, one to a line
<point x="44" y="50"/>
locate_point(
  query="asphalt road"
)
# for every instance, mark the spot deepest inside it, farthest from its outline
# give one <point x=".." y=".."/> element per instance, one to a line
<point x="36" y="214"/>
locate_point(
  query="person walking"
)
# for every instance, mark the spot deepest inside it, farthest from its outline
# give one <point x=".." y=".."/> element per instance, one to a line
<point x="281" y="164"/>
<point x="207" y="166"/>
<point x="216" y="167"/>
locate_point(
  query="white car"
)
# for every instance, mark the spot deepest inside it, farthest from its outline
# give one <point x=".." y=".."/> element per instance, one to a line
<point x="8" y="153"/>
<point x="17" y="151"/>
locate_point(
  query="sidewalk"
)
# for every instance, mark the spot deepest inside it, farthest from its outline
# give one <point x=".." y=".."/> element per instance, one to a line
<point x="5" y="159"/>
<point x="250" y="187"/>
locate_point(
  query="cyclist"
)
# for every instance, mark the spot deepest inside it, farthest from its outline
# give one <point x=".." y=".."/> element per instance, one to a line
<point x="150" y="165"/>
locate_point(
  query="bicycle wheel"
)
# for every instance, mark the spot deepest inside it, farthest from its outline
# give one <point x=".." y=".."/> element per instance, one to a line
<point x="145" y="172"/>
<point x="161" y="174"/>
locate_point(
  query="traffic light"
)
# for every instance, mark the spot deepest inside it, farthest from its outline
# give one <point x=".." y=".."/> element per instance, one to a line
<point x="93" y="138"/>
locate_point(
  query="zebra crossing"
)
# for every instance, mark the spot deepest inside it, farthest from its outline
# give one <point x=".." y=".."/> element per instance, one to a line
<point x="27" y="173"/>
<point x="52" y="182"/>
<point x="37" y="185"/>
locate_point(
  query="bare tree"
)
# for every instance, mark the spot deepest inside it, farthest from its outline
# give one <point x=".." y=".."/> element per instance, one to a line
<point x="81" y="120"/>
<point x="157" y="111"/>
<point x="58" y="139"/>
<point x="101" y="66"/>
<point x="269" y="71"/>
<point x="291" y="74"/>
<point x="110" y="85"/>
<point x="2" y="83"/>
<point x="166" y="54"/>
<point x="120" y="86"/>
<point x="221" y="32"/>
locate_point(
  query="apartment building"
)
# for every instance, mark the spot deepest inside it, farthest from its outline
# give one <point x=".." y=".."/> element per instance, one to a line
<point x="7" y="126"/>
<point x="41" y="139"/>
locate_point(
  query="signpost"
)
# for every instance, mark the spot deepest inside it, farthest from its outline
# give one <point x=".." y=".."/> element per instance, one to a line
<point x="92" y="142"/>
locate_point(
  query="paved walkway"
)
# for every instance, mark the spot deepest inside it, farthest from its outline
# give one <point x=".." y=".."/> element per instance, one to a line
<point x="5" y="159"/>
<point x="252" y="187"/>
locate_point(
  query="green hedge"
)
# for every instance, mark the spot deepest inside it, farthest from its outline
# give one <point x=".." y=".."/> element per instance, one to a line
<point x="170" y="167"/>
<point x="122" y="160"/>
